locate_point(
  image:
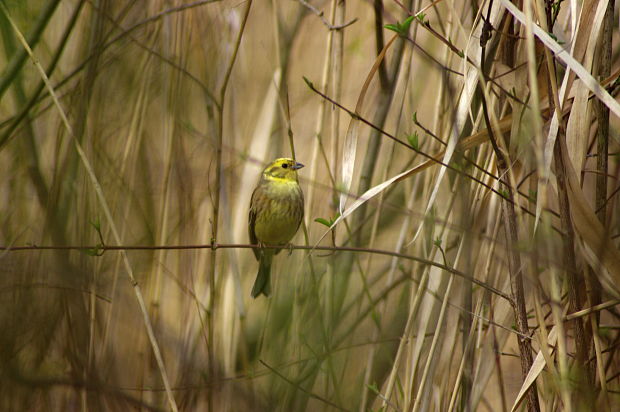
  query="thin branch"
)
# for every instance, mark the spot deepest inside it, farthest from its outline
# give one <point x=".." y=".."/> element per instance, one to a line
<point x="321" y="15"/>
<point x="401" y="142"/>
<point x="461" y="54"/>
<point x="98" y="249"/>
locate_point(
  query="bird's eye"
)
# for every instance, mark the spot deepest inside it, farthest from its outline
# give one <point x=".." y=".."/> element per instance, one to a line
<point x="284" y="165"/>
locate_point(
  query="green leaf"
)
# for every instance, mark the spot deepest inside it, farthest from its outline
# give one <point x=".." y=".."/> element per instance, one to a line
<point x="326" y="222"/>
<point x="406" y="24"/>
<point x="414" y="140"/>
<point x="322" y="221"/>
<point x="393" y="27"/>
<point x="415" y="117"/>
<point x="400" y="28"/>
<point x="421" y="17"/>
<point x="373" y="387"/>
<point x="437" y="242"/>
<point x="96" y="224"/>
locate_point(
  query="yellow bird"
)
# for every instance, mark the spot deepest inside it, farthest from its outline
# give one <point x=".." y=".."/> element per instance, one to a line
<point x="276" y="211"/>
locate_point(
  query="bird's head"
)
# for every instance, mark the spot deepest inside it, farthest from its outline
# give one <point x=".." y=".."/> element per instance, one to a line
<point x="282" y="169"/>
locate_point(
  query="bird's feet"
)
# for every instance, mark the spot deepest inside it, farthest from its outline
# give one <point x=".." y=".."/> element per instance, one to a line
<point x="261" y="247"/>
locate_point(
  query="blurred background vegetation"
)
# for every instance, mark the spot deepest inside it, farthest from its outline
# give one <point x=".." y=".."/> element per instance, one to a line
<point x="489" y="266"/>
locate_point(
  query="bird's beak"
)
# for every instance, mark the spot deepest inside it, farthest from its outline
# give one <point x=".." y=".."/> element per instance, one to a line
<point x="297" y="166"/>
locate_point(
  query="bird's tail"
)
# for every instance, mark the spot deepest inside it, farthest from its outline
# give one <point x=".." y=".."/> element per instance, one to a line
<point x="262" y="284"/>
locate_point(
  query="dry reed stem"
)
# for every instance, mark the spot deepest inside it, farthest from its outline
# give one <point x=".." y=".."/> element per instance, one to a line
<point x="316" y="344"/>
<point x="514" y="260"/>
<point x="216" y="197"/>
<point x="106" y="210"/>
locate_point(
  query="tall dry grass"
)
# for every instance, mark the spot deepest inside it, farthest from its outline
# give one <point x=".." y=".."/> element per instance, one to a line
<point x="473" y="156"/>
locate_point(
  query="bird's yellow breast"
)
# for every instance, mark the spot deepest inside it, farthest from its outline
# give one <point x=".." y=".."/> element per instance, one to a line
<point x="279" y="211"/>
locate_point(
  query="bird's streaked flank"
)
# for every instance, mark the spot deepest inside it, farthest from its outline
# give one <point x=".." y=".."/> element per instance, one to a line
<point x="276" y="211"/>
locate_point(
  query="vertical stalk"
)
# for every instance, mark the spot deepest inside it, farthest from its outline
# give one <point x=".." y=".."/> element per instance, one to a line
<point x="568" y="236"/>
<point x="338" y="12"/>
<point x="374" y="144"/>
<point x="216" y="199"/>
<point x="515" y="267"/>
<point x="575" y="283"/>
<point x="337" y="57"/>
<point x="467" y="321"/>
<point x="382" y="105"/>
<point x="379" y="43"/>
<point x="516" y="287"/>
<point x="602" y="115"/>
<point x="105" y="208"/>
<point x="602" y="148"/>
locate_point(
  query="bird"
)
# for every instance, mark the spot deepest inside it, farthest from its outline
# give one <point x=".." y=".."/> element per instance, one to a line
<point x="276" y="211"/>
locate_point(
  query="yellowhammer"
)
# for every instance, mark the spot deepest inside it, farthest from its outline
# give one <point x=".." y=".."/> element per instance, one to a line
<point x="276" y="211"/>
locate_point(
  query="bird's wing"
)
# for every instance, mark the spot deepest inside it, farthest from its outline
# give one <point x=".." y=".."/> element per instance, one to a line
<point x="251" y="222"/>
<point x="302" y="202"/>
<point x="297" y="209"/>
